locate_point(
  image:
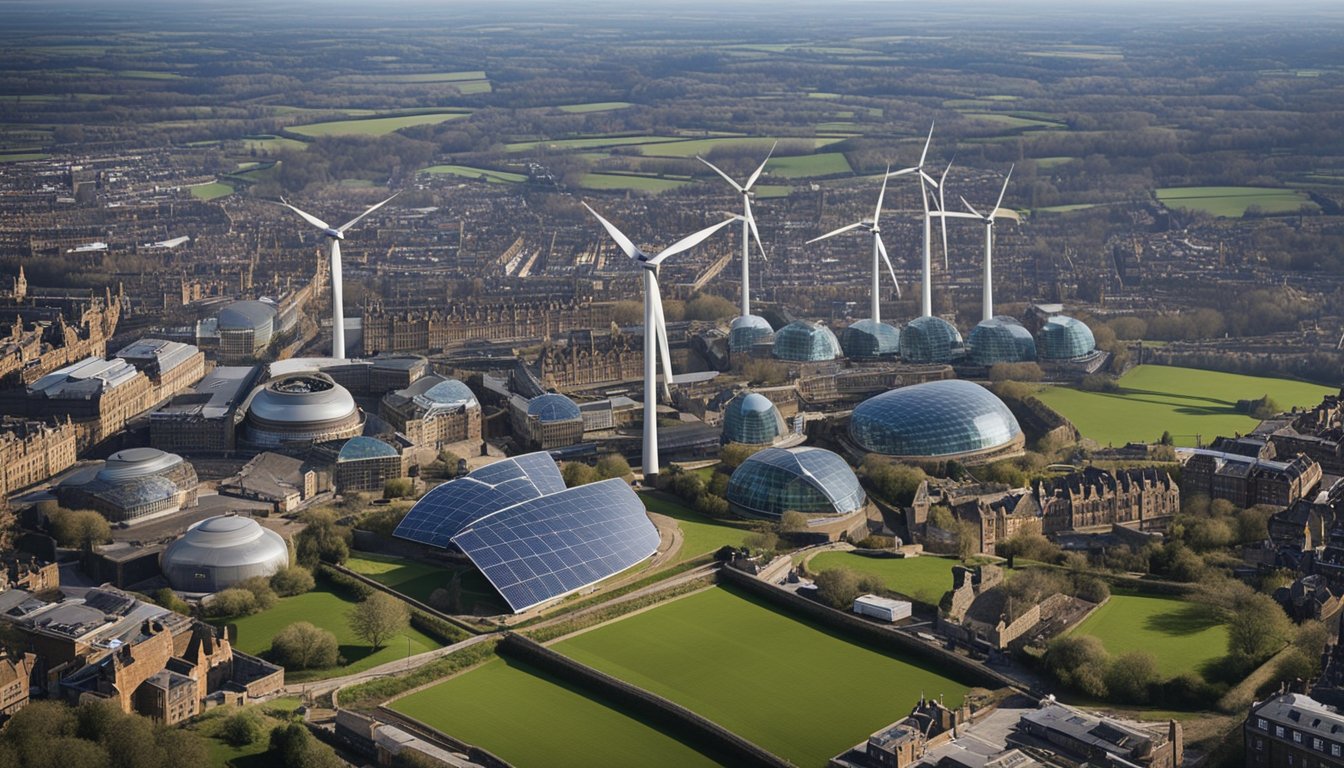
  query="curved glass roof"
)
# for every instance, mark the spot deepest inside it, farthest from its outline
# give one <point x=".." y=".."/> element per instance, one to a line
<point x="752" y="419"/>
<point x="246" y="315"/>
<point x="1000" y="340"/>
<point x="747" y="330"/>
<point x="930" y="339"/>
<point x="805" y="342"/>
<point x="135" y="491"/>
<point x="553" y="407"/>
<point x="361" y="447"/>
<point x="870" y="338"/>
<point x="936" y="418"/>
<point x="1063" y="337"/>
<point x="809" y="480"/>
<point x="448" y="394"/>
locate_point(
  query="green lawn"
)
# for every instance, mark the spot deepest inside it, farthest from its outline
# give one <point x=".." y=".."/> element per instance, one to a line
<point x="211" y="191"/>
<point x="693" y="147"/>
<point x="623" y="181"/>
<point x="434" y="77"/>
<point x="701" y="535"/>
<point x="22" y="156"/>
<point x="374" y="126"/>
<point x="797" y="690"/>
<point x="1011" y="121"/>
<point x="326" y="610"/>
<point x="1178" y="633"/>
<point x="419" y="580"/>
<point x="923" y="578"/>
<point x="1232" y="202"/>
<point x="586" y="143"/>
<point x="1183" y="401"/>
<point x="532" y="719"/>
<point x="803" y="166"/>
<point x="466" y="171"/>
<point x="595" y="106"/>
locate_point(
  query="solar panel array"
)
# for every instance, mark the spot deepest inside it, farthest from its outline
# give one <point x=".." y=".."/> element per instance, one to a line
<point x="532" y="538"/>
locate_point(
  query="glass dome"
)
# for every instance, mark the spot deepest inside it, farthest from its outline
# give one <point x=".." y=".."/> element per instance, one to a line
<point x="1063" y="337"/>
<point x="752" y="419"/>
<point x="808" y="480"/>
<point x="937" y="418"/>
<point x="553" y="407"/>
<point x="930" y="340"/>
<point x="870" y="338"/>
<point x="357" y="448"/>
<point x="805" y="342"/>
<point x="1000" y="340"/>
<point x="746" y="331"/>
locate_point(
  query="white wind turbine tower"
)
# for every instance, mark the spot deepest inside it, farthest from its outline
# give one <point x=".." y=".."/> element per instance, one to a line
<point x="879" y="250"/>
<point x="655" y="329"/>
<point x="336" y="234"/>
<point x="748" y="223"/>
<point x="987" y="292"/>
<point x="926" y="291"/>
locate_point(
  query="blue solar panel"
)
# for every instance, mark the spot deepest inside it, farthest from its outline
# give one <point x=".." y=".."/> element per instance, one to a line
<point x="450" y="507"/>
<point x="547" y="547"/>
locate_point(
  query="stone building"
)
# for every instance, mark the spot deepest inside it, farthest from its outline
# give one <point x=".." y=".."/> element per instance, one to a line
<point x="32" y="451"/>
<point x="1246" y="481"/>
<point x="205" y="418"/>
<point x="14" y="682"/>
<point x="30" y="352"/>
<point x="433" y="412"/>
<point x="1318" y="433"/>
<point x="590" y="359"/>
<point x="99" y="396"/>
<point x="1292" y="730"/>
<point x="1098" y="499"/>
<point x="997" y="518"/>
<point x="171" y="366"/>
<point x="424" y="331"/>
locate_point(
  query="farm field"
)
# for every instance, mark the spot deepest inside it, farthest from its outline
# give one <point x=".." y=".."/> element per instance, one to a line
<point x="802" y="166"/>
<point x="373" y="126"/>
<point x="1011" y="121"/>
<point x="701" y="535"/>
<point x="624" y="181"/>
<point x="419" y="580"/>
<point x="595" y="106"/>
<point x="923" y="578"/>
<point x="211" y="191"/>
<point x="813" y="693"/>
<point x="468" y="172"/>
<point x="528" y="718"/>
<point x="1184" y="401"/>
<point x="21" y="156"/>
<point x="327" y="610"/>
<point x="588" y="143"/>
<point x="1232" y="202"/>
<point x="1178" y="633"/>
<point x="693" y="147"/>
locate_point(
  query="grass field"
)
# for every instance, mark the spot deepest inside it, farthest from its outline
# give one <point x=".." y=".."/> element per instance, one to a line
<point x="1184" y="401"/>
<point x="1010" y="121"/>
<point x="795" y="689"/>
<point x="693" y="147"/>
<point x="466" y="171"/>
<point x="533" y="720"/>
<point x="271" y="143"/>
<point x="1179" y="633"/>
<point x="211" y="191"/>
<point x="326" y="610"/>
<point x="803" y="166"/>
<point x="21" y="156"/>
<point x="419" y="580"/>
<point x="374" y="126"/>
<point x="919" y="578"/>
<point x="623" y="181"/>
<point x="1232" y="202"/>
<point x="595" y="106"/>
<point x="588" y="143"/>
<point x="701" y="535"/>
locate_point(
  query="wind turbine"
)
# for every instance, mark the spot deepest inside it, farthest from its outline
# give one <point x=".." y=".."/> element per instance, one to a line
<point x="926" y="293"/>
<point x="879" y="250"/>
<point x="336" y="234"/>
<point x="748" y="222"/>
<point x="655" y="328"/>
<point x="987" y="293"/>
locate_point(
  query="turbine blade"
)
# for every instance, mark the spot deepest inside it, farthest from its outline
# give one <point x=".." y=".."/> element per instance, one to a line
<point x="308" y="217"/>
<point x="942" y="206"/>
<point x="1007" y="213"/>
<point x="690" y="241"/>
<point x="617" y="235"/>
<point x="757" y="174"/>
<point x="882" y="249"/>
<point x="926" y="177"/>
<point x="1004" y="191"/>
<point x="751" y="223"/>
<point x="927" y="141"/>
<point x="902" y="172"/>
<point x="725" y="176"/>
<point x="659" y="330"/>
<point x="877" y="212"/>
<point x="835" y="232"/>
<point x="356" y="220"/>
<point x="971" y="208"/>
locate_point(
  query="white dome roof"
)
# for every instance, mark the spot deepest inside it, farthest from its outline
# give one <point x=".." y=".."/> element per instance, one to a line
<point x="227" y="541"/>
<point x="136" y="462"/>
<point x="309" y="398"/>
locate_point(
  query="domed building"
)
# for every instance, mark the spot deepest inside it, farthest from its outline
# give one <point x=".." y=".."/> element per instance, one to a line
<point x="1064" y="338"/>
<point x="366" y="464"/>
<point x="751" y="419"/>
<point x="813" y="481"/>
<point x="870" y="338"/>
<point x="748" y="330"/>
<point x="804" y="342"/>
<point x="930" y="339"/>
<point x="949" y="419"/>
<point x="219" y="552"/>
<point x="133" y="485"/>
<point x="301" y="408"/>
<point x="547" y="421"/>
<point x="1000" y="339"/>
<point x="245" y="330"/>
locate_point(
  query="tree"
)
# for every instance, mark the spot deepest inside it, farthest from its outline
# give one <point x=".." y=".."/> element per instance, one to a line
<point x="837" y="587"/>
<point x="167" y="598"/>
<point x="231" y="602"/>
<point x="294" y="580"/>
<point x="378" y="617"/>
<point x="241" y="728"/>
<point x="710" y="505"/>
<point x="303" y="645"/>
<point x="292" y="745"/>
<point x="968" y="540"/>
<point x="260" y="587"/>
<point x="707" y="306"/>
<point x="576" y="473"/>
<point x="1257" y="629"/>
<point x="793" y="522"/>
<point x="733" y="454"/>
<point x="761" y="541"/>
<point x="1078" y="661"/>
<point x="613" y="465"/>
<point x="321" y="541"/>
<point x="1130" y="677"/>
<point x="81" y="528"/>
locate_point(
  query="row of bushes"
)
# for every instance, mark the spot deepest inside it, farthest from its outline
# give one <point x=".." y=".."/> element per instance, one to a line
<point x="253" y="595"/>
<point x="374" y="692"/>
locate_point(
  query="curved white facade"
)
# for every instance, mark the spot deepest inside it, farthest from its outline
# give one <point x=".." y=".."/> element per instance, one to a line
<point x="219" y="552"/>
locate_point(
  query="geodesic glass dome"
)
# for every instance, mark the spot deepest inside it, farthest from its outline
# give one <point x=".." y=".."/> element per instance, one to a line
<point x="936" y="418"/>
<point x="804" y="342"/>
<point x="1063" y="337"/>
<point x="808" y="480"/>
<point x="746" y="331"/>
<point x="553" y="407"/>
<point x="870" y="338"/>
<point x="930" y="340"/>
<point x="1000" y="340"/>
<point x="752" y="419"/>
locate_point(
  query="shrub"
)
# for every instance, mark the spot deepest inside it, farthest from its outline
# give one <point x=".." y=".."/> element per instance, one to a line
<point x="294" y="580"/>
<point x="1078" y="662"/>
<point x="303" y="645"/>
<point x="613" y="465"/>
<point x="1091" y="589"/>
<point x="167" y="598"/>
<point x="874" y="541"/>
<point x="1130" y="677"/>
<point x="444" y="631"/>
<point x="712" y="506"/>
<point x="398" y="488"/>
<point x="260" y="587"/>
<point x="894" y="482"/>
<point x="761" y="541"/>
<point x="232" y="602"/>
<point x="837" y="587"/>
<point x="241" y="728"/>
<point x="1015" y="372"/>
<point x="577" y="473"/>
<point x="81" y="528"/>
<point x="321" y="541"/>
<point x="344" y="583"/>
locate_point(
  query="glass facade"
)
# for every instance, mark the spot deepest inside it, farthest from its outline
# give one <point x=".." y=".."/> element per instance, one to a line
<point x="868" y="338"/>
<point x="553" y="407"/>
<point x="746" y="331"/>
<point x="1001" y="340"/>
<point x="357" y="448"/>
<point x="804" y="342"/>
<point x="930" y="340"/>
<point x="1063" y="337"/>
<point x="752" y="419"/>
<point x="808" y="480"/>
<point x="937" y="418"/>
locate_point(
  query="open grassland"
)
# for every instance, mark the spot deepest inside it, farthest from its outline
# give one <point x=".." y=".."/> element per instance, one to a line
<point x="419" y="580"/>
<point x="629" y="181"/>
<point x="534" y="720"/>
<point x="22" y="156"/>
<point x="1182" y="635"/>
<point x="587" y="143"/>
<point x="211" y="191"/>
<point x="468" y="172"/>
<point x="796" y="689"/>
<point x="1232" y="202"/>
<point x="374" y="126"/>
<point x="1011" y="121"/>
<point x="432" y="77"/>
<point x="701" y="535"/>
<point x="702" y="147"/>
<point x="329" y="611"/>
<point x="269" y="143"/>
<point x="923" y="578"/>
<point x="803" y="166"/>
<point x="1183" y="401"/>
<point x="595" y="106"/>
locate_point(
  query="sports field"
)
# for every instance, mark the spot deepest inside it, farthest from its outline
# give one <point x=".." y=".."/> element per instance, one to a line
<point x="1232" y="202"/>
<point x="533" y="720"/>
<point x="1180" y="634"/>
<point x="327" y="610"/>
<point x="797" y="690"/>
<point x="466" y="171"/>
<point x="701" y="534"/>
<point x="419" y="580"/>
<point x="211" y="191"/>
<point x="374" y="126"/>
<point x="923" y="578"/>
<point x="1184" y="401"/>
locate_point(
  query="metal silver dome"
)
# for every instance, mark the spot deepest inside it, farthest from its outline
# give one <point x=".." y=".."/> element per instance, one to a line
<point x="219" y="552"/>
<point x="306" y="398"/>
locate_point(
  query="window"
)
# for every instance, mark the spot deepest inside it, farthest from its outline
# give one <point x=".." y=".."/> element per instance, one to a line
<point x="1334" y="750"/>
<point x="1297" y="736"/>
<point x="1317" y="744"/>
<point x="1262" y="724"/>
<point x="1278" y="731"/>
